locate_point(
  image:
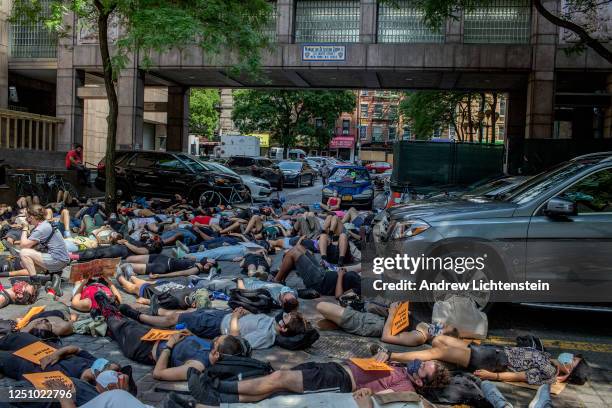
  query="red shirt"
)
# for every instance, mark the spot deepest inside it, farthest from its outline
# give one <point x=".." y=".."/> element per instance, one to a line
<point x="91" y="290"/>
<point x="396" y="380"/>
<point x="201" y="219"/>
<point x="73" y="154"/>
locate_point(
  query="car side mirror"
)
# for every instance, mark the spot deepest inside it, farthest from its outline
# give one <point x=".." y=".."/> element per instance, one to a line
<point x="559" y="207"/>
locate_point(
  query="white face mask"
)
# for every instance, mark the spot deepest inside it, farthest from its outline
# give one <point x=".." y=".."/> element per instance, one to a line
<point x="565" y="358"/>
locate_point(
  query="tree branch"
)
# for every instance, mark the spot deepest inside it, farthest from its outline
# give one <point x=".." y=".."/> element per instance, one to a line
<point x="585" y="37"/>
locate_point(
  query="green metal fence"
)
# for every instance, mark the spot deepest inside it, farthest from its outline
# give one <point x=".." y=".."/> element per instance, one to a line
<point x="501" y="21"/>
<point x="31" y="39"/>
<point x="402" y="22"/>
<point x="327" y="21"/>
<point x="422" y="164"/>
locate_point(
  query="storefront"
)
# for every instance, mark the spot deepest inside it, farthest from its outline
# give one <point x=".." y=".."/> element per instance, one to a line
<point x="343" y="147"/>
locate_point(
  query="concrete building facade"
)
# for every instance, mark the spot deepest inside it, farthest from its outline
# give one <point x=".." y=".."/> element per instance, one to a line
<point x="345" y="44"/>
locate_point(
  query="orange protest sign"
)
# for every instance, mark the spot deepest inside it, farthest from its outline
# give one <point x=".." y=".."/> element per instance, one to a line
<point x="369" y="364"/>
<point x="401" y="319"/>
<point x="96" y="268"/>
<point x="52" y="380"/>
<point x="23" y="322"/>
<point x="158" y="334"/>
<point x="35" y="352"/>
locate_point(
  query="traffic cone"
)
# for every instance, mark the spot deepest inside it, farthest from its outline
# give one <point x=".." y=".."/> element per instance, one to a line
<point x="395" y="199"/>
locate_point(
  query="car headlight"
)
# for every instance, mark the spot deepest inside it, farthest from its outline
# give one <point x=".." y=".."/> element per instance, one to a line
<point x="365" y="193"/>
<point x="408" y="228"/>
<point x="328" y="191"/>
<point x="262" y="184"/>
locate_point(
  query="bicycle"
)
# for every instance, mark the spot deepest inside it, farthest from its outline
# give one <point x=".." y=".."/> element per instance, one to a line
<point x="215" y="197"/>
<point x="55" y="183"/>
<point x="24" y="186"/>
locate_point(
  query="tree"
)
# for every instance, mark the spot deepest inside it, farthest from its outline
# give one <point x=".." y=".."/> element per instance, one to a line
<point x="287" y="114"/>
<point x="571" y="18"/>
<point x="203" y="114"/>
<point x="430" y="110"/>
<point x="149" y="26"/>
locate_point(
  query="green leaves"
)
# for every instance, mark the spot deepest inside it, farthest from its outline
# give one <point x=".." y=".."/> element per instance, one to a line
<point x="203" y="117"/>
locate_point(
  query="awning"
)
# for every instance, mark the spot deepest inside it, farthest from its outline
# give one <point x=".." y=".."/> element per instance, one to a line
<point x="342" y="142"/>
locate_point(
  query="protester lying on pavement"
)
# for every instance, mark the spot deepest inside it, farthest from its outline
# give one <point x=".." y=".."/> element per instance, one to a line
<point x="259" y="330"/>
<point x="55" y="318"/>
<point x="156" y="265"/>
<point x="252" y="264"/>
<point x="123" y="249"/>
<point x="520" y="364"/>
<point x="83" y="296"/>
<point x="339" y="377"/>
<point x="21" y="293"/>
<point x="496" y="398"/>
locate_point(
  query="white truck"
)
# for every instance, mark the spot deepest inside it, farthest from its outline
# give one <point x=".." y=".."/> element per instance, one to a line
<point x="238" y="146"/>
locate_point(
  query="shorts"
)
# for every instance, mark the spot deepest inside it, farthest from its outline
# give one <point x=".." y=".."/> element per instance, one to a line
<point x="362" y="323"/>
<point x="333" y="254"/>
<point x="490" y="358"/>
<point x="310" y="271"/>
<point x="205" y="323"/>
<point x="52" y="265"/>
<point x="319" y="377"/>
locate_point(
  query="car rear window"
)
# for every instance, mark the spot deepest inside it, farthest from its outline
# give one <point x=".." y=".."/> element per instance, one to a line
<point x="144" y="160"/>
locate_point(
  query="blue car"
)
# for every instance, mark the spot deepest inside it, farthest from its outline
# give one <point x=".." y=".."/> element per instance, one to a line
<point x="353" y="185"/>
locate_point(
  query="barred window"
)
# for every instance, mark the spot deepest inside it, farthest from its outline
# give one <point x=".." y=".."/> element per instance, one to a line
<point x="270" y="29"/>
<point x="402" y="22"/>
<point x="327" y="21"/>
<point x="31" y="39"/>
<point x="392" y="132"/>
<point x="503" y="21"/>
<point x="364" y="110"/>
<point x="377" y="133"/>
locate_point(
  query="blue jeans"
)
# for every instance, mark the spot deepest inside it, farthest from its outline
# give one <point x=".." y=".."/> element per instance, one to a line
<point x="223" y="253"/>
<point x="497" y="399"/>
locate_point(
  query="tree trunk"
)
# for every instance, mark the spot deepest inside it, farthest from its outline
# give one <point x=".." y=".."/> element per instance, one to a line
<point x="481" y="114"/>
<point x="110" y="201"/>
<point x="469" y="117"/>
<point x="493" y="118"/>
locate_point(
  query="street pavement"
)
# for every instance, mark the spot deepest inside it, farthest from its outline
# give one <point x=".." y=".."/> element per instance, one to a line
<point x="580" y="332"/>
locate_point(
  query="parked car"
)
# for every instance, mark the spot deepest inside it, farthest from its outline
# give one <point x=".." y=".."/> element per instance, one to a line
<point x="316" y="167"/>
<point x="353" y="185"/>
<point x="378" y="167"/>
<point x="260" y="189"/>
<point x="163" y="174"/>
<point x="297" y="154"/>
<point x="297" y="172"/>
<point x="554" y="227"/>
<point x="488" y="189"/>
<point x="261" y="167"/>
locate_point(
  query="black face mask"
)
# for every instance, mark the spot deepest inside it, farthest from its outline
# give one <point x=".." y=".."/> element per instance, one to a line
<point x="46" y="335"/>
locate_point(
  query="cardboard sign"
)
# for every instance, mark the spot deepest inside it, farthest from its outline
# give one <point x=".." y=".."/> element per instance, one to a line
<point x="401" y="319"/>
<point x="23" y="322"/>
<point x="369" y="364"/>
<point x="35" y="352"/>
<point x="52" y="380"/>
<point x="93" y="269"/>
<point x="158" y="334"/>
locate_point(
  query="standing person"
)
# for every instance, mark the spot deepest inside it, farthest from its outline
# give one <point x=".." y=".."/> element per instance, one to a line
<point x="325" y="170"/>
<point x="52" y="255"/>
<point x="74" y="161"/>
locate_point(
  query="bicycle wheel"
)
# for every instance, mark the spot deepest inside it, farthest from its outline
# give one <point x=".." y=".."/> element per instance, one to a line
<point x="71" y="189"/>
<point x="210" y="198"/>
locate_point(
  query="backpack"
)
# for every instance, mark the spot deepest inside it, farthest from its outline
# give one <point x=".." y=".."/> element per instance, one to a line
<point x="530" y="341"/>
<point x="464" y="388"/>
<point x="203" y="385"/>
<point x="299" y="341"/>
<point x="174" y="299"/>
<point x="7" y="327"/>
<point x="255" y="301"/>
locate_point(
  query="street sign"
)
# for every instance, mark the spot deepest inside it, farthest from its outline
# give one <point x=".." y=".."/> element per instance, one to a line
<point x="319" y="52"/>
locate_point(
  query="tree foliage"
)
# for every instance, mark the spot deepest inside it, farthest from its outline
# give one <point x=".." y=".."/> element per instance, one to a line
<point x="155" y="26"/>
<point x="203" y="114"/>
<point x="289" y="114"/>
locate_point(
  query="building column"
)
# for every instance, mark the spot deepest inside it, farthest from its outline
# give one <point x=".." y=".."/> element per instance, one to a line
<point x="607" y="126"/>
<point x="68" y="105"/>
<point x="5" y="10"/>
<point x="285" y="21"/>
<point x="516" y="107"/>
<point x="369" y="17"/>
<point x="130" y="95"/>
<point x="454" y="29"/>
<point x="226" y="124"/>
<point x="177" y="139"/>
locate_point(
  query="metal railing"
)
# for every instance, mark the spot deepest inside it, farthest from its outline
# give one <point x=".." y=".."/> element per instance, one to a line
<point x="402" y="22"/>
<point x="20" y="130"/>
<point x="502" y="21"/>
<point x="327" y="21"/>
<point x="31" y="39"/>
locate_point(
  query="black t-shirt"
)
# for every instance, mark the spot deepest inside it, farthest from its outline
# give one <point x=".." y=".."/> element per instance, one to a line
<point x="14" y="367"/>
<point x="351" y="280"/>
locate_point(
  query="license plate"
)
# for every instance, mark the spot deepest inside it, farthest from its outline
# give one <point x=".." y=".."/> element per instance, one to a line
<point x="347" y="198"/>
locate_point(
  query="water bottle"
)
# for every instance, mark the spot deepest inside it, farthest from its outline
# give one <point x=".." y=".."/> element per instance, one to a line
<point x="180" y="326"/>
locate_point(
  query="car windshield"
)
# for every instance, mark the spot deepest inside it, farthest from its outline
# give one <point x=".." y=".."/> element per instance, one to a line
<point x="346" y="174"/>
<point x="484" y="189"/>
<point x="197" y="164"/>
<point x="288" y="165"/>
<point x="221" y="168"/>
<point x="547" y="180"/>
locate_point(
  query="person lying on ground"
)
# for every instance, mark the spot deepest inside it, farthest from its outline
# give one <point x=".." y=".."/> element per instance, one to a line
<point x="306" y="225"/>
<point x="496" y="398"/>
<point x="341" y="377"/>
<point x="83" y="295"/>
<point x="519" y="364"/>
<point x="230" y="252"/>
<point x="315" y="276"/>
<point x="21" y="293"/>
<point x="55" y="318"/>
<point x="122" y="249"/>
<point x="332" y="225"/>
<point x="53" y="256"/>
<point x="158" y="265"/>
<point x="337" y="253"/>
<point x="252" y="264"/>
<point x="259" y="330"/>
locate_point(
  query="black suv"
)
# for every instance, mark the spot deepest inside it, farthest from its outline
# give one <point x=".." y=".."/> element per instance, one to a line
<point x="261" y="167"/>
<point x="163" y="174"/>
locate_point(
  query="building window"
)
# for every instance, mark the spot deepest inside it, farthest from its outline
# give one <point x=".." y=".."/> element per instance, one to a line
<point x="378" y="111"/>
<point x="327" y="21"/>
<point x="392" y="133"/>
<point x="393" y="112"/>
<point x="364" y="93"/>
<point x="377" y="133"/>
<point x="270" y="29"/>
<point x="502" y="106"/>
<point x="402" y="22"/>
<point x="30" y="39"/>
<point x="501" y="21"/>
<point x="364" y="110"/>
<point x="346" y="126"/>
<point x="500" y="133"/>
<point x="451" y="132"/>
<point x="363" y="132"/>
<point x="437" y="132"/>
<point x="407" y="133"/>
